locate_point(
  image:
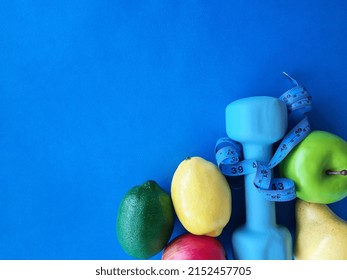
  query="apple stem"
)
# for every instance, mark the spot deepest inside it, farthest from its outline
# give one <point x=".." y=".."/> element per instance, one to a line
<point x="342" y="172"/>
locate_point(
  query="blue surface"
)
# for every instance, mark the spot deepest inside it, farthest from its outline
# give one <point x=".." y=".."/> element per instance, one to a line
<point x="99" y="96"/>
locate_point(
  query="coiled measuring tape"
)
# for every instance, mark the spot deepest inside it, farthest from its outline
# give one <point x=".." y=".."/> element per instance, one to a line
<point x="229" y="152"/>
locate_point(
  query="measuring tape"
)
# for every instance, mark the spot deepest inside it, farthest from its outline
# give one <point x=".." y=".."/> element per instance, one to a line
<point x="229" y="152"/>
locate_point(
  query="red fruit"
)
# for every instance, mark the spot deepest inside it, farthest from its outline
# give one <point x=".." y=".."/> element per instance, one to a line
<point x="194" y="247"/>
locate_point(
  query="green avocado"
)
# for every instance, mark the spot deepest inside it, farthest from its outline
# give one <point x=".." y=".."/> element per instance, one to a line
<point x="145" y="220"/>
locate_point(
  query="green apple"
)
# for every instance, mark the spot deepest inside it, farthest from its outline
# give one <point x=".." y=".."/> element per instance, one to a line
<point x="318" y="167"/>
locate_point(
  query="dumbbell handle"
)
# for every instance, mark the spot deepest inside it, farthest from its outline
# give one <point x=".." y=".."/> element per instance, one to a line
<point x="260" y="237"/>
<point x="260" y="213"/>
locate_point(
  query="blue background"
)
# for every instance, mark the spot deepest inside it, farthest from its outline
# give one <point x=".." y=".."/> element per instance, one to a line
<point x="99" y="96"/>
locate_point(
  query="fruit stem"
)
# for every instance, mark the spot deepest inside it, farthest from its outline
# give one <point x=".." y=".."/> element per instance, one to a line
<point x="342" y="172"/>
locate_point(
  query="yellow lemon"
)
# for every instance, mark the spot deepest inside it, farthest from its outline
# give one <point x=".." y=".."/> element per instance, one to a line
<point x="201" y="197"/>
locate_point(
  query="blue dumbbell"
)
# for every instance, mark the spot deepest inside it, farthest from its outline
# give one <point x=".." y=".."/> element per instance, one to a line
<point x="258" y="122"/>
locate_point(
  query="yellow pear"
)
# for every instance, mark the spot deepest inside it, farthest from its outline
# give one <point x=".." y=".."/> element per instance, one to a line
<point x="320" y="234"/>
<point x="201" y="197"/>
